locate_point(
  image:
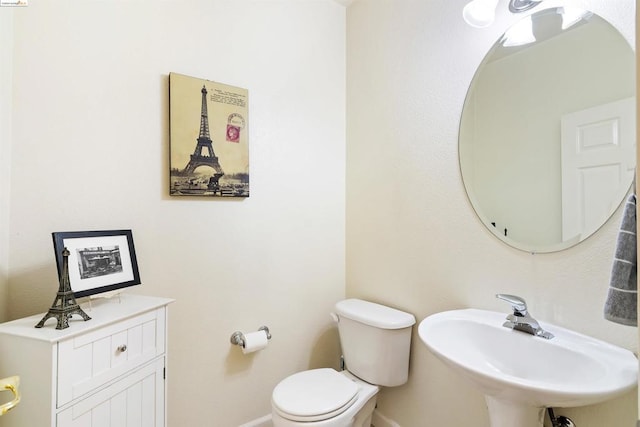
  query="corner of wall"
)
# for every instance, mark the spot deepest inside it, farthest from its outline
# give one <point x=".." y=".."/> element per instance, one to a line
<point x="6" y="54"/>
<point x="637" y="44"/>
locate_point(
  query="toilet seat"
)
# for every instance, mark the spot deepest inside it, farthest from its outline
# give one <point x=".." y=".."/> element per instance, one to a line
<point x="314" y="395"/>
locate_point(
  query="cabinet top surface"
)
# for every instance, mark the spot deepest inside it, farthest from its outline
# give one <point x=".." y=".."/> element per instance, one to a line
<point x="101" y="311"/>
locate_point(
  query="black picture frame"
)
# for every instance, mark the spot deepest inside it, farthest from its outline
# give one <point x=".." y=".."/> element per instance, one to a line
<point x="99" y="261"/>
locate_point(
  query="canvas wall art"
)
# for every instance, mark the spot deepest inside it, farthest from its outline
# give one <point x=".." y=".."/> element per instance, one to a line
<point x="209" y="138"/>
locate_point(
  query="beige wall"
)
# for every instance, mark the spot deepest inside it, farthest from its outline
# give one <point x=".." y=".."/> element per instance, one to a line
<point x="90" y="151"/>
<point x="413" y="240"/>
<point x="6" y="40"/>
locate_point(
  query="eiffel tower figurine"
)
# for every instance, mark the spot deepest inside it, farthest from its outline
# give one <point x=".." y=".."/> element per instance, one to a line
<point x="65" y="303"/>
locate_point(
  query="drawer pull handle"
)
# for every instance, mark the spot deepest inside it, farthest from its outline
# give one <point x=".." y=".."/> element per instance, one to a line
<point x="122" y="348"/>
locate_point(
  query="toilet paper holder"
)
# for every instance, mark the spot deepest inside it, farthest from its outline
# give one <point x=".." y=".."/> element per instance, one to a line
<point x="237" y="338"/>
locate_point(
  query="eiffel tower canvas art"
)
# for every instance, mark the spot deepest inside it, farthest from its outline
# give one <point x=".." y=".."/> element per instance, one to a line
<point x="209" y="152"/>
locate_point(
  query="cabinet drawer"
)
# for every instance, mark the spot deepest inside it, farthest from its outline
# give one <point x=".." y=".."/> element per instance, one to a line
<point x="89" y="361"/>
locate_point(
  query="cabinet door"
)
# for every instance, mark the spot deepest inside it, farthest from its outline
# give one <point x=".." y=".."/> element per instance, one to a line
<point x="137" y="400"/>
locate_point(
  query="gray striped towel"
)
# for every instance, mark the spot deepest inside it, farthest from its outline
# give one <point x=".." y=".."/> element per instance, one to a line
<point x="622" y="302"/>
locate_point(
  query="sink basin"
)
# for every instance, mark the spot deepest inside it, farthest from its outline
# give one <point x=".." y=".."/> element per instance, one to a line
<point x="521" y="374"/>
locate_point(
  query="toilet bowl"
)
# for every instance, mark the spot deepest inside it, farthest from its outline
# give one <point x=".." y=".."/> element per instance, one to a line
<point x="323" y="398"/>
<point x="375" y="340"/>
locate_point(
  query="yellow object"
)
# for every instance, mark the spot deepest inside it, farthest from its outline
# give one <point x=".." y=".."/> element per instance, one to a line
<point x="12" y="384"/>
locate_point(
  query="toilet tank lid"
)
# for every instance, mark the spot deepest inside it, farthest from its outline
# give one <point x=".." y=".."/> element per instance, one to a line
<point x="372" y="314"/>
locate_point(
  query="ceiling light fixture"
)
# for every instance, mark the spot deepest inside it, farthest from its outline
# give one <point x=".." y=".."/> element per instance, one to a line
<point x="517" y="6"/>
<point x="481" y="13"/>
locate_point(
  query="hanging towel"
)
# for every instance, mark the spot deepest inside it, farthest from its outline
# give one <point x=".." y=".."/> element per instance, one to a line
<point x="622" y="304"/>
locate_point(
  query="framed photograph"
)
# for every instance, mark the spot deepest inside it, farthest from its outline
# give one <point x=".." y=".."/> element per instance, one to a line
<point x="99" y="261"/>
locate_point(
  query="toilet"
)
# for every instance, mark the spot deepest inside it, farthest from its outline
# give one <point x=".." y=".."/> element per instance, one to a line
<point x="375" y="343"/>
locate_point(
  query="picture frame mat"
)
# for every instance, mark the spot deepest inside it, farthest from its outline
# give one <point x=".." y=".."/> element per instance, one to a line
<point x="80" y="284"/>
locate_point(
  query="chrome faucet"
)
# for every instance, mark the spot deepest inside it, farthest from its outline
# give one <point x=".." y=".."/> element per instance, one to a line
<point x="521" y="320"/>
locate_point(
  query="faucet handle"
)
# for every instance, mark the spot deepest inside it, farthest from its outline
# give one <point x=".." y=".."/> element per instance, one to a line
<point x="518" y="304"/>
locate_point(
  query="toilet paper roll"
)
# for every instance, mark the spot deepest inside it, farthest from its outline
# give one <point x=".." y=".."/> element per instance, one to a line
<point x="254" y="341"/>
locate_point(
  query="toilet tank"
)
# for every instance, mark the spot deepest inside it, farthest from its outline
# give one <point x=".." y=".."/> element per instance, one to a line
<point x="375" y="341"/>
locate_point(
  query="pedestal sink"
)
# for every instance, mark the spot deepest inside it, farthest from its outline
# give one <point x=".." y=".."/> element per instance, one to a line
<point x="522" y="374"/>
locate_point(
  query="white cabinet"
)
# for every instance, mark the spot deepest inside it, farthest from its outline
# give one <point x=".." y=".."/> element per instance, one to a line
<point x="106" y="372"/>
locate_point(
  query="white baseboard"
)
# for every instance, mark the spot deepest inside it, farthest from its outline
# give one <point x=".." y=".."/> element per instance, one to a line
<point x="379" y="420"/>
<point x="259" y="422"/>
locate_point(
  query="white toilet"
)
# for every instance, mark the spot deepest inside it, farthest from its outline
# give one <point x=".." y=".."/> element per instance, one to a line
<point x="375" y="343"/>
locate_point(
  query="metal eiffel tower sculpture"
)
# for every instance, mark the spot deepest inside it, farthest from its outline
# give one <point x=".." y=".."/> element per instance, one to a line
<point x="199" y="158"/>
<point x="65" y="303"/>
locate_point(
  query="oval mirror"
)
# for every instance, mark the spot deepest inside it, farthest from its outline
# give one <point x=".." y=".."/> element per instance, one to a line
<point x="547" y="133"/>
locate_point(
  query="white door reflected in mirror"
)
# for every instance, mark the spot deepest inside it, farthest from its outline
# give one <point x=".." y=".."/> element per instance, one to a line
<point x="598" y="146"/>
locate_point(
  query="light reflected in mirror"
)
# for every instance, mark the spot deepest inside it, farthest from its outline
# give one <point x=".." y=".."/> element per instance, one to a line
<point x="547" y="134"/>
